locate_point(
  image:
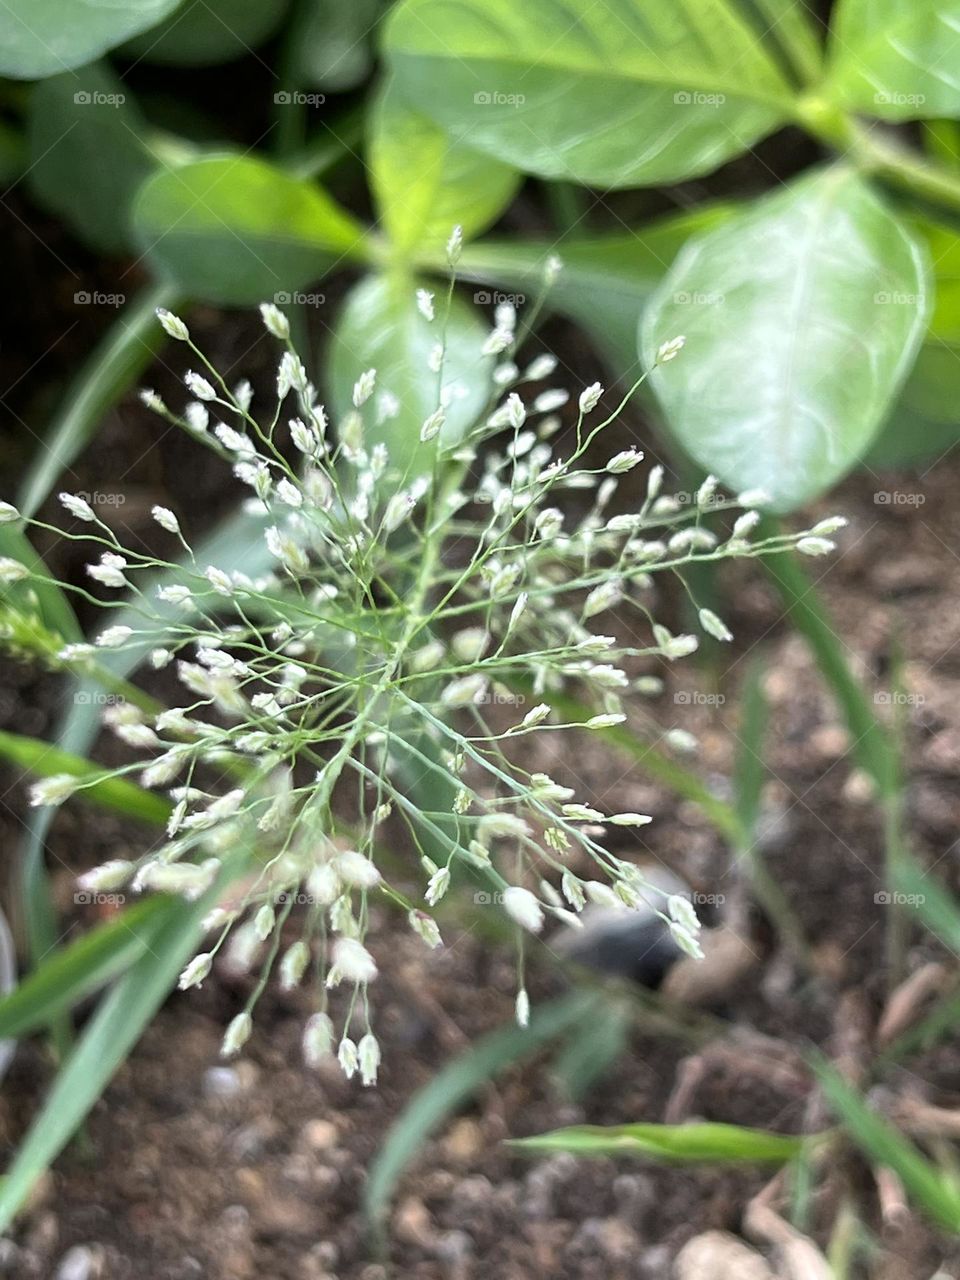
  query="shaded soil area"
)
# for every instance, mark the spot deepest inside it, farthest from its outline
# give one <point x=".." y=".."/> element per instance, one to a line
<point x="189" y="1168"/>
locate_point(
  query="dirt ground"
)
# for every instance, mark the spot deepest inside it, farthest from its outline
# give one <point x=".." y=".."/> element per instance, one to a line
<point x="192" y="1169"/>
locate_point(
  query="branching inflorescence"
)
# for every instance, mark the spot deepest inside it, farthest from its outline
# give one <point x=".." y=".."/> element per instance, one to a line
<point x="366" y="671"/>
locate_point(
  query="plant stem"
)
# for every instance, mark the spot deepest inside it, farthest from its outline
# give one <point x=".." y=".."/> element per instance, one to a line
<point x="868" y="146"/>
<point x="908" y="171"/>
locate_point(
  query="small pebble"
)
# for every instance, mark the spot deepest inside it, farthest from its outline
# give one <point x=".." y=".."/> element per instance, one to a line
<point x="82" y="1262"/>
<point x="320" y="1135"/>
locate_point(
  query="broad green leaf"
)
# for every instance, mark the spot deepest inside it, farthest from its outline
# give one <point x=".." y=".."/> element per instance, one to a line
<point x="380" y="327"/>
<point x="684" y="1142"/>
<point x="454" y="1085"/>
<point x="203" y="33"/>
<point x="790" y="26"/>
<point x="107" y="1038"/>
<point x="802" y="317"/>
<point x="618" y="93"/>
<point x="331" y="43"/>
<point x="71" y="973"/>
<point x="87" y="156"/>
<point x="934" y="1190"/>
<point x="238" y="230"/>
<point x="944" y="246"/>
<point x="941" y="139"/>
<point x="118" y="794"/>
<point x="425" y="182"/>
<point x="44" y="37"/>
<point x="896" y="60"/>
<point x="123" y="353"/>
<point x="605" y="281"/>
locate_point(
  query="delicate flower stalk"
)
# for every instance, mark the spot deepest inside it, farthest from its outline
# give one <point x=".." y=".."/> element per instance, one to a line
<point x="392" y="621"/>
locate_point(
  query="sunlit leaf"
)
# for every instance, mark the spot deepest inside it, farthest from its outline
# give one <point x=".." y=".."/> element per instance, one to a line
<point x="897" y="60"/>
<point x="802" y="317"/>
<point x="685" y="1142"/>
<point x="236" y="229"/>
<point x="617" y="93"/>
<point x="604" y="282"/>
<point x="119" y="794"/>
<point x="44" y="37"/>
<point x="425" y="182"/>
<point x="380" y="327"/>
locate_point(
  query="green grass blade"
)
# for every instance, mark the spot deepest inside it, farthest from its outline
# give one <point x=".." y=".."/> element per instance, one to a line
<point x="126" y="350"/>
<point x="72" y="973"/>
<point x="749" y="771"/>
<point x="235" y="543"/>
<point x="585" y="1059"/>
<point x="33" y="596"/>
<point x="117" y="794"/>
<point x="798" y="593"/>
<point x="454" y="1085"/>
<point x="938" y="910"/>
<point x="932" y="1190"/>
<point x="121" y="1017"/>
<point x="749" y="774"/>
<point x="683" y="1142"/>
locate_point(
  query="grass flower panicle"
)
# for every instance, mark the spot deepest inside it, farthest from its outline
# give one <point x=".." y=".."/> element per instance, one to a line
<point x="361" y="675"/>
